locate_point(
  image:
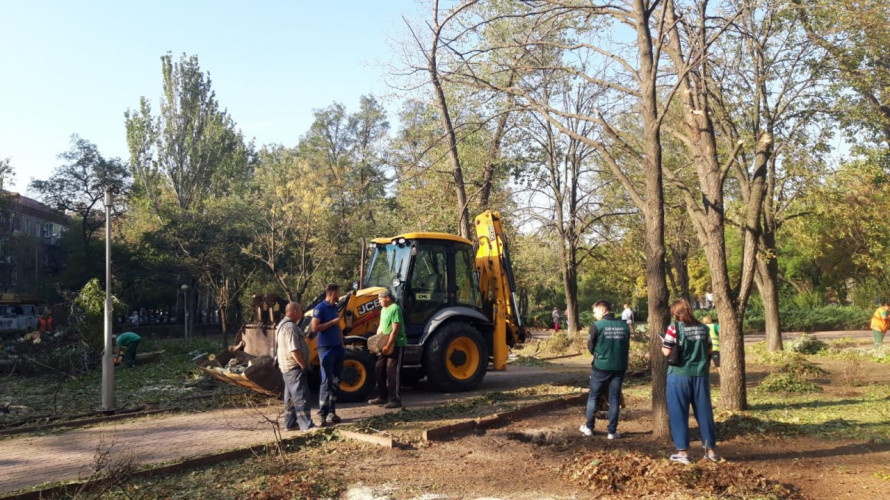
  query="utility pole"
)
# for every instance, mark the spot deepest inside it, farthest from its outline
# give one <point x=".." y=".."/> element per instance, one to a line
<point x="108" y="355"/>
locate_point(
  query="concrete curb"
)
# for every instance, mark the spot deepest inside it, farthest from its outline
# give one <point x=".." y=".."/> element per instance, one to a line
<point x="447" y="431"/>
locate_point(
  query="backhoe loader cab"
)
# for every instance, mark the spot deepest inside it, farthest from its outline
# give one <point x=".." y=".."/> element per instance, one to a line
<point x="433" y="278"/>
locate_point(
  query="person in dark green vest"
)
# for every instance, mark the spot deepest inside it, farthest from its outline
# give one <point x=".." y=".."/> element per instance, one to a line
<point x="609" y="342"/>
<point x="130" y="342"/>
<point x="688" y="383"/>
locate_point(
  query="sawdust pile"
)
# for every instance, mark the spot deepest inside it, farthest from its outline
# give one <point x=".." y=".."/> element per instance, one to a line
<point x="634" y="475"/>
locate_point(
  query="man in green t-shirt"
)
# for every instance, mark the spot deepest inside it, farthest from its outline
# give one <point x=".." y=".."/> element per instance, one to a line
<point x="130" y="342"/>
<point x="389" y="363"/>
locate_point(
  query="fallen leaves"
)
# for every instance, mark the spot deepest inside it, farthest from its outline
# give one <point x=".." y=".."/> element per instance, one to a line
<point x="624" y="474"/>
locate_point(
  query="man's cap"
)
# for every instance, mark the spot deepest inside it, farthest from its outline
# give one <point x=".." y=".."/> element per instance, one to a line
<point x="384" y="293"/>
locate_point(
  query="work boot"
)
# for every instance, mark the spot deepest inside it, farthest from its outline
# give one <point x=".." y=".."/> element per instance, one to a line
<point x="334" y="418"/>
<point x="393" y="404"/>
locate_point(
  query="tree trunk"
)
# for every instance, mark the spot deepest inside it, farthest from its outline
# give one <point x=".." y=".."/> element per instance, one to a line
<point x="653" y="210"/>
<point x="767" y="280"/>
<point x="570" y="284"/>
<point x="657" y="291"/>
<point x="680" y="263"/>
<point x="733" y="389"/>
<point x="224" y="325"/>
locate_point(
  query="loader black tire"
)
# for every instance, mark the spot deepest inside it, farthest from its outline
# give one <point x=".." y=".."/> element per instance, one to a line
<point x="357" y="380"/>
<point x="455" y="358"/>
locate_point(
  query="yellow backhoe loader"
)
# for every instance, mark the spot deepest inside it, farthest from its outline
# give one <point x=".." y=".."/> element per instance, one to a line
<point x="459" y="305"/>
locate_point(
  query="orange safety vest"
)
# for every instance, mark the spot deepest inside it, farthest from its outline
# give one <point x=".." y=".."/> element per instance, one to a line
<point x="880" y="320"/>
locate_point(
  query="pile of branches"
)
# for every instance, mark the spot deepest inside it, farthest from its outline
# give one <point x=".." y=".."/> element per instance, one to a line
<point x="39" y="352"/>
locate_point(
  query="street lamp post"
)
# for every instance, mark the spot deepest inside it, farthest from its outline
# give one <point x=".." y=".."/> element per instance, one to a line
<point x="185" y="305"/>
<point x="108" y="354"/>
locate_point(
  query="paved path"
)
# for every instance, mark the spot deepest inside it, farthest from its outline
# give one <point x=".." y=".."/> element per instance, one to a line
<point x="28" y="461"/>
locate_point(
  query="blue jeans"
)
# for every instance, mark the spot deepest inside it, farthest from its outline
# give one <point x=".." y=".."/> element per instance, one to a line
<point x="331" y="360"/>
<point x="682" y="392"/>
<point x="598" y="383"/>
<point x="296" y="400"/>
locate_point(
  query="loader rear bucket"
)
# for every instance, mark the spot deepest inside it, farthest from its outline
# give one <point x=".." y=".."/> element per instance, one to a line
<point x="261" y="373"/>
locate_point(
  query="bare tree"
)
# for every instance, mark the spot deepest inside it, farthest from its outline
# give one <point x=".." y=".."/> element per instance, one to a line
<point x="627" y="79"/>
<point x="692" y="35"/>
<point x="567" y="195"/>
<point x="771" y="92"/>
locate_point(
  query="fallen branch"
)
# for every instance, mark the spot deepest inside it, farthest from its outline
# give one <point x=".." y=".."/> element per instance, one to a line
<point x="38" y="363"/>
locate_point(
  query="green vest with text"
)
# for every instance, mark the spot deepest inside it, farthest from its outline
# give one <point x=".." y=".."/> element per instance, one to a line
<point x="612" y="345"/>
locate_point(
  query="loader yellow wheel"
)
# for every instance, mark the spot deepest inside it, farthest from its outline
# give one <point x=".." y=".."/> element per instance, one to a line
<point x="357" y="379"/>
<point x="462" y="358"/>
<point x="455" y="358"/>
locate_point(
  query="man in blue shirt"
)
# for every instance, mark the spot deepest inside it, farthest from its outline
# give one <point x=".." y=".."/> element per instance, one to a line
<point x="326" y="324"/>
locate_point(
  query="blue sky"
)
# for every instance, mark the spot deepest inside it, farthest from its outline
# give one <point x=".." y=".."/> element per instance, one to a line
<point x="76" y="67"/>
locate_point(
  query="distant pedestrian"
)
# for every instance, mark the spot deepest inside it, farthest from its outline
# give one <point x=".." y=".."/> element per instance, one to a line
<point x="609" y="342"/>
<point x="627" y="315"/>
<point x="688" y="383"/>
<point x="555" y="315"/>
<point x="880" y="323"/>
<point x="389" y="363"/>
<point x="293" y="361"/>
<point x="326" y="324"/>
<point x="128" y="341"/>
<point x="714" y="332"/>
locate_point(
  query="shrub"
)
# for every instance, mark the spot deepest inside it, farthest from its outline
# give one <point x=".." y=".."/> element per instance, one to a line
<point x="811" y="319"/>
<point x="558" y="343"/>
<point x="787" y="382"/>
<point x="807" y="344"/>
<point x="585" y="319"/>
<point x="640" y="333"/>
<point x="797" y="364"/>
<point x="851" y="368"/>
<point x="638" y="359"/>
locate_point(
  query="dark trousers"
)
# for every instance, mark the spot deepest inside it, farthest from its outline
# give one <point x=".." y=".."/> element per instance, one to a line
<point x="331" y="360"/>
<point x="388" y="368"/>
<point x="599" y="381"/>
<point x="296" y="400"/>
<point x="130" y="354"/>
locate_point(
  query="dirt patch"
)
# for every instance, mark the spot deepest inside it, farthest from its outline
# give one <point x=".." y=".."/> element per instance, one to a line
<point x="546" y="457"/>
